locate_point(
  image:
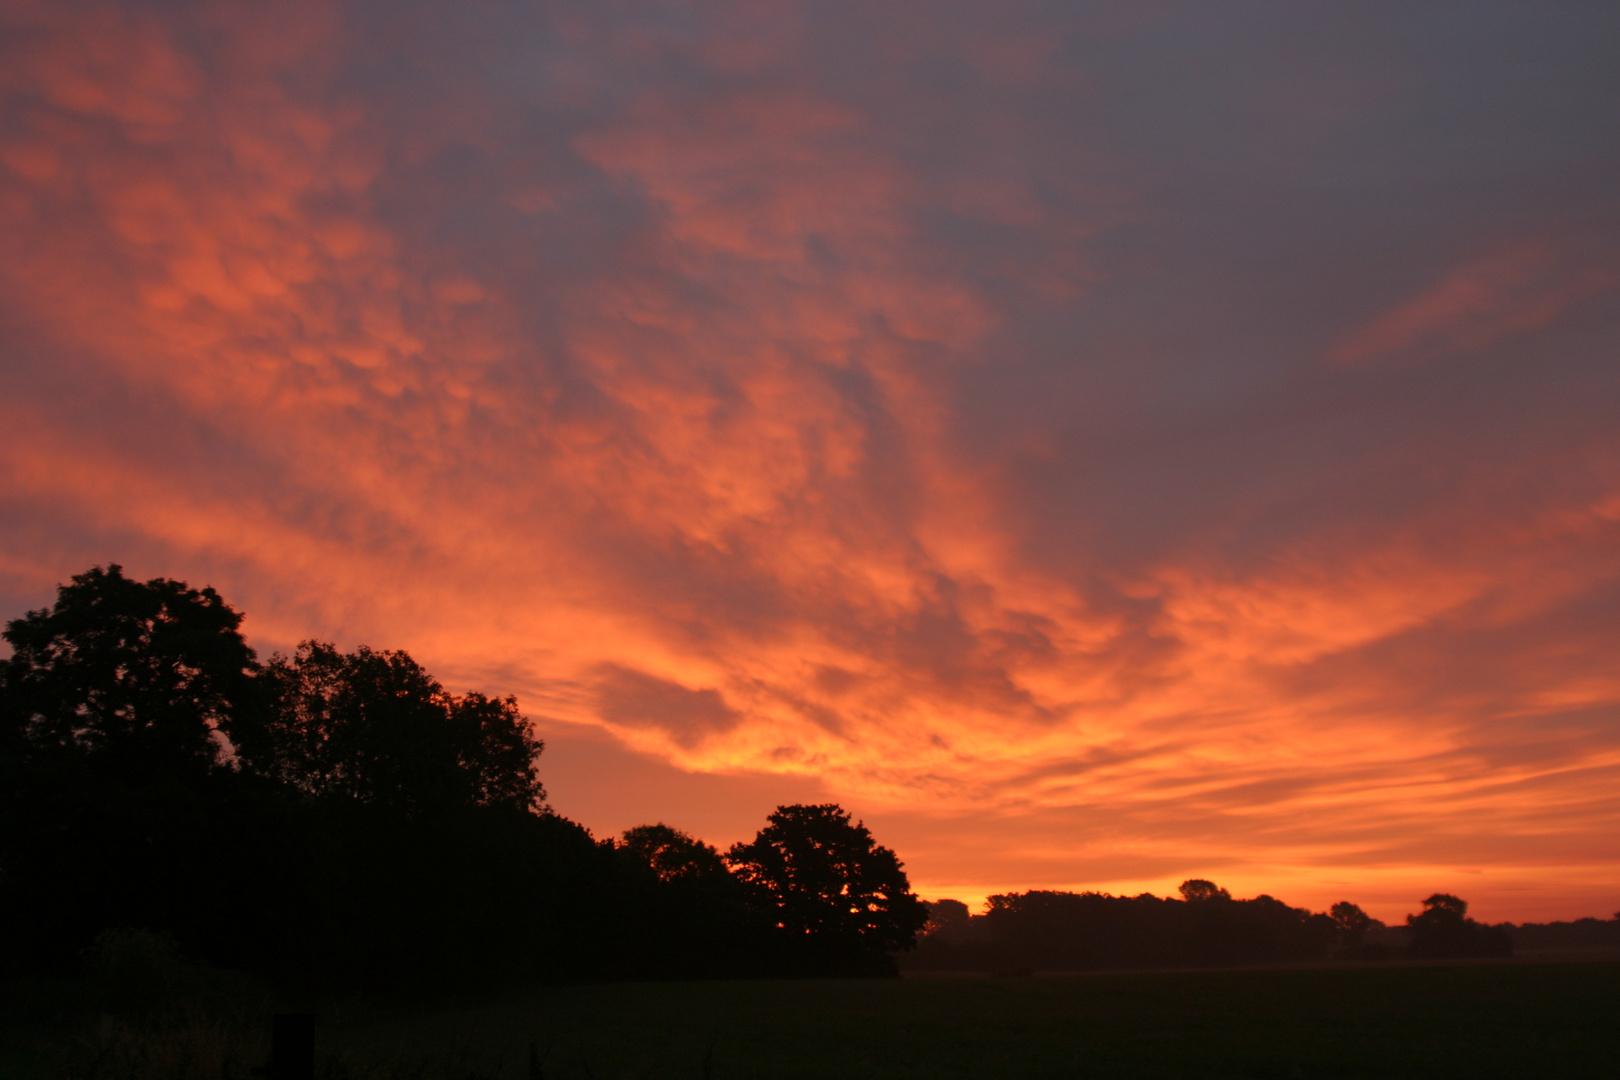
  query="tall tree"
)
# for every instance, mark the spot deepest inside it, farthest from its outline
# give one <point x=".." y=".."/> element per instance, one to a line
<point x="150" y="677"/>
<point x="376" y="728"/>
<point x="841" y="898"/>
<point x="120" y="804"/>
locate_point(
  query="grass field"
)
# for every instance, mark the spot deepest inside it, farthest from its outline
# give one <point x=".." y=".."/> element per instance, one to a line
<point x="1492" y="1020"/>
<point x="1475" y="1021"/>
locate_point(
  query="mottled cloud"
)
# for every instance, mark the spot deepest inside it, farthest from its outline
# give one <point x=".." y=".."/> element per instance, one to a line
<point x="1104" y="446"/>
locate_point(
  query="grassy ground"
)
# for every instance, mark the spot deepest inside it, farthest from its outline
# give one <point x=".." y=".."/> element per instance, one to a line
<point x="1490" y="1020"/>
<point x="1496" y="1020"/>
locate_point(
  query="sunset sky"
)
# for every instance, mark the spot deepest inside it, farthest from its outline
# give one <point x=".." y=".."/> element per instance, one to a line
<point x="1098" y="444"/>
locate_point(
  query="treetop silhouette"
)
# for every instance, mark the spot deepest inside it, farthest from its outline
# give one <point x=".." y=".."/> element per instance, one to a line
<point x="376" y="728"/>
<point x="820" y="876"/>
<point x="673" y="855"/>
<point x="146" y="677"/>
<point x="1195" y="890"/>
<point x="1352" y="922"/>
<point x="1444" y="931"/>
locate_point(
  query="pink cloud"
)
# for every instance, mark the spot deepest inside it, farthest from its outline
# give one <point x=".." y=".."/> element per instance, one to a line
<point x="1511" y="292"/>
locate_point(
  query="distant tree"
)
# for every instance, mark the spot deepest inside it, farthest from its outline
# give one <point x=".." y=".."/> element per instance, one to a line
<point x="1445" y="908"/>
<point x="1197" y="889"/>
<point x="1063" y="931"/>
<point x="672" y="854"/>
<point x="1444" y="931"/>
<point x="376" y="728"/>
<point x="1351" y="922"/>
<point x="947" y="916"/>
<point x="149" y="678"/>
<point x="840" y="897"/>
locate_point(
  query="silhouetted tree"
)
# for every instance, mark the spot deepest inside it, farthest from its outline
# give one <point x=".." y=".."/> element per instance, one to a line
<point x="1197" y="889"/>
<point x="147" y="677"/>
<point x="1351" y="922"/>
<point x="120" y="805"/>
<point x="376" y="728"/>
<point x="693" y="915"/>
<point x="1580" y="935"/>
<point x="842" y="900"/>
<point x="672" y="854"/>
<point x="1443" y="907"/>
<point x="948" y="917"/>
<point x="1444" y="931"/>
<point x="1046" y="930"/>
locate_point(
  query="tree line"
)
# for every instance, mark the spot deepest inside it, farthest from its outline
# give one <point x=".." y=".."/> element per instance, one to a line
<point x="1045" y="930"/>
<point x="340" y="819"/>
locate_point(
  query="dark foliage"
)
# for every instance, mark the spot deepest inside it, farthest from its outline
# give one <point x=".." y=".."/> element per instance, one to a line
<point x="115" y="706"/>
<point x="1195" y="890"/>
<point x="674" y="856"/>
<point x="1062" y="931"/>
<point x="842" y="900"/>
<point x="1354" y="926"/>
<point x="374" y="727"/>
<point x="139" y="679"/>
<point x="703" y="925"/>
<point x="1443" y="931"/>
<point x="1577" y="936"/>
<point x="948" y="917"/>
<point x="1351" y="921"/>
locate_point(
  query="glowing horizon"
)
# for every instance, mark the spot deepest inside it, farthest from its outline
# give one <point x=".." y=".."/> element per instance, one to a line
<point x="1097" y="448"/>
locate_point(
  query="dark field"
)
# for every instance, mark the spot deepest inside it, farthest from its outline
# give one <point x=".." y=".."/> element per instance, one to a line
<point x="1507" y="1020"/>
<point x="1482" y="1020"/>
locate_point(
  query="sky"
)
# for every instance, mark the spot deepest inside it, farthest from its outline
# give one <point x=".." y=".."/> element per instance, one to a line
<point x="1096" y="444"/>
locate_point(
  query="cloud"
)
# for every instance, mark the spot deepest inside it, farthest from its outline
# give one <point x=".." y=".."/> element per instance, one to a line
<point x="636" y="699"/>
<point x="919" y="407"/>
<point x="1512" y="292"/>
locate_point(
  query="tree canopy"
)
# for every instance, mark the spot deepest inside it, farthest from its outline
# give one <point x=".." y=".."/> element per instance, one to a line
<point x="823" y="879"/>
<point x="148" y="677"/>
<point x="1443" y="930"/>
<point x="376" y="728"/>
<point x="1195" y="890"/>
<point x="673" y="855"/>
<point x="1352" y="922"/>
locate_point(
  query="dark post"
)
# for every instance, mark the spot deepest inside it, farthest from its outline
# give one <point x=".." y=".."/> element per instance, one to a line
<point x="292" y="1046"/>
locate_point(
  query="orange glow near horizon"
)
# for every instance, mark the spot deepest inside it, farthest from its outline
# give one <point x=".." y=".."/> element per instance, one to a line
<point x="869" y="432"/>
